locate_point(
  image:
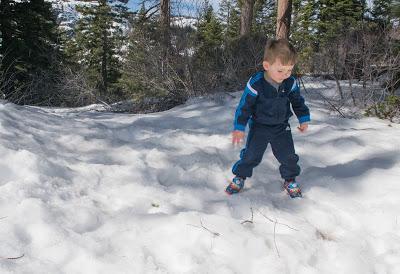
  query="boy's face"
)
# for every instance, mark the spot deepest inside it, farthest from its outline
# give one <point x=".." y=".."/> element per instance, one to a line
<point x="276" y="71"/>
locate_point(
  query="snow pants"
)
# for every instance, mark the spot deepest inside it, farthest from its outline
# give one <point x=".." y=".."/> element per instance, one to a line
<point x="280" y="138"/>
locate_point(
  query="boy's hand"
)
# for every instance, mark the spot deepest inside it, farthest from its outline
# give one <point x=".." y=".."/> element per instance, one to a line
<point x="303" y="127"/>
<point x="237" y="136"/>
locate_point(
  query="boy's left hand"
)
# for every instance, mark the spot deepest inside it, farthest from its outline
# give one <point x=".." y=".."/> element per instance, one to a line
<point x="303" y="127"/>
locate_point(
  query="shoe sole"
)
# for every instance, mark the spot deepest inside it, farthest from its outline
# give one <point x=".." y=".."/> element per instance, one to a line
<point x="297" y="195"/>
<point x="231" y="193"/>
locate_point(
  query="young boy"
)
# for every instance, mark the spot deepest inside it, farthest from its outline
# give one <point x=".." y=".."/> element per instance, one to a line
<point x="266" y="103"/>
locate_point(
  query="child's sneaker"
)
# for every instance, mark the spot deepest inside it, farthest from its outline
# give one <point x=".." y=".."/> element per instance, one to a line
<point x="235" y="186"/>
<point x="292" y="188"/>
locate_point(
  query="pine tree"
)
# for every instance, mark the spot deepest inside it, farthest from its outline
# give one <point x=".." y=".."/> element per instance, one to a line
<point x="142" y="67"/>
<point x="98" y="42"/>
<point x="381" y="12"/>
<point x="336" y="17"/>
<point x="29" y="47"/>
<point x="229" y="16"/>
<point x="209" y="36"/>
<point x="303" y="29"/>
<point x="265" y="17"/>
<point x="209" y="29"/>
<point x="209" y="41"/>
<point x="396" y="9"/>
<point x="304" y="20"/>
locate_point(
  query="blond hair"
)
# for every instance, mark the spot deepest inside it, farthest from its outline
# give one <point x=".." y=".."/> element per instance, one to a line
<point x="282" y="49"/>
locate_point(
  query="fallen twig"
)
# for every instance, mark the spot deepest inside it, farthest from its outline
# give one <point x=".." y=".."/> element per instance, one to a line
<point x="249" y="221"/>
<point x="275" y="223"/>
<point x="323" y="98"/>
<point x="276" y="246"/>
<point x="272" y="221"/>
<point x="12" y="258"/>
<point x="212" y="232"/>
<point x="202" y="226"/>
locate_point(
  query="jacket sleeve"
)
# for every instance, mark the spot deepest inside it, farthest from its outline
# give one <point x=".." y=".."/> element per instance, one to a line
<point x="245" y="108"/>
<point x="299" y="107"/>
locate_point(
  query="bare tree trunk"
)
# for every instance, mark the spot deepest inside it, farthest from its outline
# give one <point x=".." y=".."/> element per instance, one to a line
<point x="246" y="17"/>
<point x="337" y="77"/>
<point x="165" y="19"/>
<point x="283" y="18"/>
<point x="104" y="64"/>
<point x="353" y="98"/>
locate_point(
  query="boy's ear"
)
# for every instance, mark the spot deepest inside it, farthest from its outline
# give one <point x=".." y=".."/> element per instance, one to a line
<point x="266" y="65"/>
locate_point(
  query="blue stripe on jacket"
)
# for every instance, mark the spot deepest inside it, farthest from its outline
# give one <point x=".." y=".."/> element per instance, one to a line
<point x="243" y="111"/>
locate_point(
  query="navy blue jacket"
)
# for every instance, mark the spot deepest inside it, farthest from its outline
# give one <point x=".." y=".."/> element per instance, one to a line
<point x="264" y="104"/>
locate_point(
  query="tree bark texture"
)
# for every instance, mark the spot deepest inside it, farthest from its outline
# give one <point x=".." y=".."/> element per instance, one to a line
<point x="165" y="21"/>
<point x="283" y="19"/>
<point x="246" y="17"/>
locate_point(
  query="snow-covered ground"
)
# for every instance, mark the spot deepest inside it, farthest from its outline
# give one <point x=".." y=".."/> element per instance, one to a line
<point x="93" y="192"/>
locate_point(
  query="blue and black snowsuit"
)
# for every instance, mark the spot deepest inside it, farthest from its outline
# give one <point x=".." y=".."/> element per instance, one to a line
<point x="268" y="109"/>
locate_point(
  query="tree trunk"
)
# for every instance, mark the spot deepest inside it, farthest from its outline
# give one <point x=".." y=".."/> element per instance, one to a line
<point x="246" y="17"/>
<point x="283" y="18"/>
<point x="104" y="64"/>
<point x="353" y="98"/>
<point x="165" y="23"/>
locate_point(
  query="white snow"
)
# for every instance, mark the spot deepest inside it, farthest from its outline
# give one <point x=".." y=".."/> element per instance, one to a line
<point x="182" y="21"/>
<point x="91" y="192"/>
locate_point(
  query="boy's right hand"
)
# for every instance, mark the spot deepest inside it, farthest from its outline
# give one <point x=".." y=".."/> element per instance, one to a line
<point x="237" y="136"/>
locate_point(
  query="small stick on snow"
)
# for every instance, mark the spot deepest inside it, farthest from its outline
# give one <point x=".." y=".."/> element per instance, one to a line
<point x="275" y="223"/>
<point x="212" y="232"/>
<point x="12" y="258"/>
<point x="202" y="226"/>
<point x="272" y="221"/>
<point x="249" y="221"/>
<point x="276" y="247"/>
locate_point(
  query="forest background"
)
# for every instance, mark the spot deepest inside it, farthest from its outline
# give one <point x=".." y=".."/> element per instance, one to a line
<point x="154" y="55"/>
